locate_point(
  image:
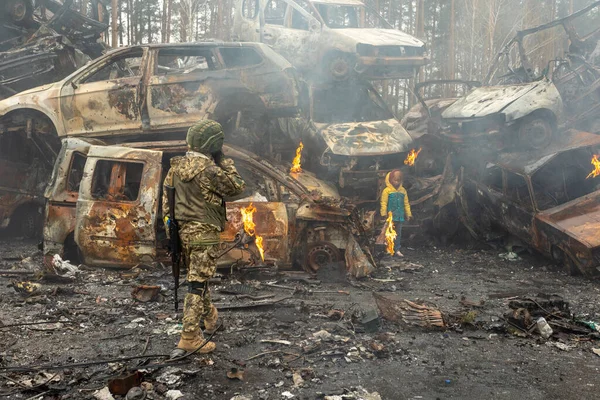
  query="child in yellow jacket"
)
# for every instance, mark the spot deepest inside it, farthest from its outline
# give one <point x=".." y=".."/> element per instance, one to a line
<point x="394" y="199"/>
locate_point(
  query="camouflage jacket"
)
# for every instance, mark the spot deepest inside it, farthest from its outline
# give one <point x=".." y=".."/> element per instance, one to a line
<point x="200" y="188"/>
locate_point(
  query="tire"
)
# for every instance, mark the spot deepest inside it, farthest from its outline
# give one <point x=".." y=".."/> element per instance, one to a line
<point x="321" y="254"/>
<point x="338" y="67"/>
<point x="19" y="11"/>
<point x="535" y="133"/>
<point x="26" y="222"/>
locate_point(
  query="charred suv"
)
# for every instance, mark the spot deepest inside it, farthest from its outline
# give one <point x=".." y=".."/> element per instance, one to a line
<point x="151" y="90"/>
<point x="103" y="207"/>
<point x="341" y="38"/>
<point x="548" y="199"/>
<point x="520" y="105"/>
<point x="349" y="134"/>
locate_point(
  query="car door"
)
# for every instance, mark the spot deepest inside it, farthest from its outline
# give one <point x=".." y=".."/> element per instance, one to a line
<point x="118" y="205"/>
<point x="181" y="89"/>
<point x="105" y="99"/>
<point x="247" y="21"/>
<point x="291" y="31"/>
<point x="271" y="216"/>
<point x="62" y="193"/>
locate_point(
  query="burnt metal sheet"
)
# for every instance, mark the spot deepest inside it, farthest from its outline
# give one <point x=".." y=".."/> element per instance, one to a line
<point x="526" y="163"/>
<point x="579" y="218"/>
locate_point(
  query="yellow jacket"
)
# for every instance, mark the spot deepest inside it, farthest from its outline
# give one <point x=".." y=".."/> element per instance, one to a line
<point x="396" y="201"/>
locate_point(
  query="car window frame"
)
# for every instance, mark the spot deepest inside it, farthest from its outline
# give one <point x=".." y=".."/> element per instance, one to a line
<point x="89" y="195"/>
<point x="533" y="205"/>
<point x="75" y="153"/>
<point x="222" y="60"/>
<point x="153" y="68"/>
<point x="241" y="164"/>
<point x="104" y="62"/>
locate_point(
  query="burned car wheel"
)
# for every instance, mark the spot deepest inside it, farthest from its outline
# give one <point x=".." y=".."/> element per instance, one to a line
<point x="535" y="133"/>
<point x="338" y="66"/>
<point x="18" y="11"/>
<point x="322" y="254"/>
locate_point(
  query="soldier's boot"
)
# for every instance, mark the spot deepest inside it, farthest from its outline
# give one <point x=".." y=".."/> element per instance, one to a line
<point x="190" y="341"/>
<point x="210" y="321"/>
<point x="191" y="335"/>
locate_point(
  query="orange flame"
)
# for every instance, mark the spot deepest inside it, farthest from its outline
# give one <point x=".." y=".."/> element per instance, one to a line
<point x="390" y="234"/>
<point x="296" y="164"/>
<point x="412" y="157"/>
<point x="250" y="228"/>
<point x="596" y="163"/>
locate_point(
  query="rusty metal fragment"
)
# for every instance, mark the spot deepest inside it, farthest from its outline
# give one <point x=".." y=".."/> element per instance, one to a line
<point x="405" y="311"/>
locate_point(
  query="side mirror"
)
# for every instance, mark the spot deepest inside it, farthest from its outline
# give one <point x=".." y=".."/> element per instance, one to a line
<point x="74" y="85"/>
<point x="314" y="26"/>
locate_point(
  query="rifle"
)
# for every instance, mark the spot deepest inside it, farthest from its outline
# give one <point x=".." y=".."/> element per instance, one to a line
<point x="174" y="240"/>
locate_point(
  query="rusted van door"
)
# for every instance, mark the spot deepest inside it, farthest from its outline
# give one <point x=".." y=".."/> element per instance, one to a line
<point x="118" y="205"/>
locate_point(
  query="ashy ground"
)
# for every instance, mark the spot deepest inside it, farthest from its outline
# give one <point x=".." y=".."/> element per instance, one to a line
<point x="299" y="347"/>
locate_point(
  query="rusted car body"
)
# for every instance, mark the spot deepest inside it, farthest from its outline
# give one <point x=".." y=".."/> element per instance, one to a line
<point x="543" y="198"/>
<point x="350" y="135"/>
<point x="520" y="106"/>
<point x="156" y="89"/>
<point x="22" y="180"/>
<point x="342" y="37"/>
<point x="40" y="48"/>
<point x="104" y="204"/>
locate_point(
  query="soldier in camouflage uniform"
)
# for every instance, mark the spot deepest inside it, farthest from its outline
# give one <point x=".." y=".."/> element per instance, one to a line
<point x="201" y="178"/>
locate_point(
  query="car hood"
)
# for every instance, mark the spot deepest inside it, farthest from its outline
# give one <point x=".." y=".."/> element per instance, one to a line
<point x="579" y="219"/>
<point x="484" y="101"/>
<point x="314" y="184"/>
<point x="365" y="138"/>
<point x="379" y="37"/>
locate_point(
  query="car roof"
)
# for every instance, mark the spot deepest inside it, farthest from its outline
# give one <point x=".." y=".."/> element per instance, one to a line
<point x="208" y="43"/>
<point x="528" y="162"/>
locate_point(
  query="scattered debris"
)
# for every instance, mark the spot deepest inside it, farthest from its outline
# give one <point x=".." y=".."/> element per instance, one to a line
<point x="146" y="293"/>
<point x="355" y="394"/>
<point x="235" y="373"/>
<point x="26" y="287"/>
<point x="173" y="394"/>
<point x="122" y="385"/>
<point x="400" y="310"/>
<point x="103" y="394"/>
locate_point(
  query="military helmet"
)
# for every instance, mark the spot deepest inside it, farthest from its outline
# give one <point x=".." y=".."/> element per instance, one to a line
<point x="206" y="137"/>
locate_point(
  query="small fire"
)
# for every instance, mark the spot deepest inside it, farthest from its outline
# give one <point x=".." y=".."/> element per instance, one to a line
<point x="412" y="157"/>
<point x="250" y="228"/>
<point x="248" y="219"/>
<point x="296" y="164"/>
<point x="390" y="234"/>
<point x="596" y="163"/>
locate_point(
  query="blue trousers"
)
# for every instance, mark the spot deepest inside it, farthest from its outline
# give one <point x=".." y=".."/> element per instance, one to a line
<point x="398" y="228"/>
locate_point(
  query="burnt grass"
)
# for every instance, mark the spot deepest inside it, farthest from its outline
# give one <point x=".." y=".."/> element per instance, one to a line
<point x="474" y="360"/>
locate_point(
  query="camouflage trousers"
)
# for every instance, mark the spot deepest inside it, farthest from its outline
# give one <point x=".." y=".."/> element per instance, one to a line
<point x="200" y="247"/>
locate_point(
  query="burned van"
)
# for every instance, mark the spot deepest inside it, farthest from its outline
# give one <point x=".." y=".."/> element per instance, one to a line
<point x="103" y="206"/>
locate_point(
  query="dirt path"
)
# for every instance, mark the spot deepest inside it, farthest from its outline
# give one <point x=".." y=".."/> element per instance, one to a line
<point x="100" y="320"/>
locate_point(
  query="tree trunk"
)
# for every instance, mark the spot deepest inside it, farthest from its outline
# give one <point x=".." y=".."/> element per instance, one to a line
<point x="114" y="19"/>
<point x="451" y="72"/>
<point x="169" y="8"/>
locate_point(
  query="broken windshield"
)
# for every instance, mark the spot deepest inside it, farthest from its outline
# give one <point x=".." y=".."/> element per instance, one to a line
<point x="343" y="16"/>
<point x="348" y="103"/>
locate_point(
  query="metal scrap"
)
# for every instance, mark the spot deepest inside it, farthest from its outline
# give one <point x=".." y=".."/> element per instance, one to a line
<point x="396" y="309"/>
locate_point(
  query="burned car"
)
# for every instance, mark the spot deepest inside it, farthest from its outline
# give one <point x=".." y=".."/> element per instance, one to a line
<point x="154" y="90"/>
<point x="349" y="134"/>
<point x="520" y="105"/>
<point x="103" y="204"/>
<point x="342" y="37"/>
<point x="43" y="43"/>
<point x="547" y="198"/>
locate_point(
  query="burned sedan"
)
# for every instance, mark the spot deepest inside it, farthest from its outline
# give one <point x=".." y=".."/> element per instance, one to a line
<point x="156" y="89"/>
<point x="341" y="37"/>
<point x="103" y="206"/>
<point x="548" y="199"/>
<point x="350" y="135"/>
